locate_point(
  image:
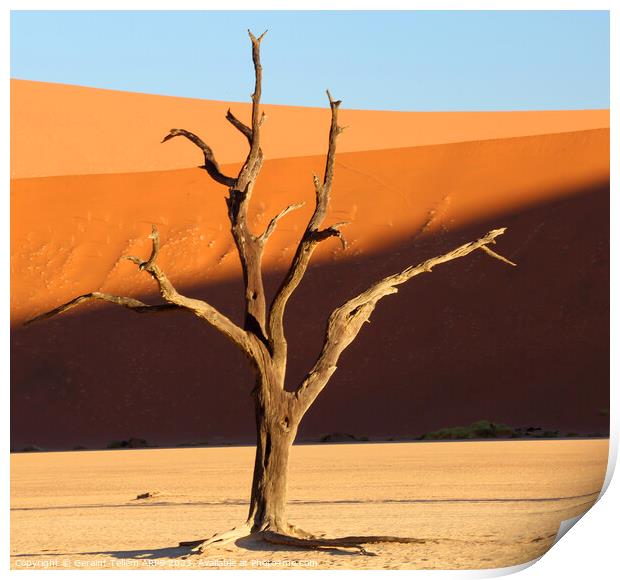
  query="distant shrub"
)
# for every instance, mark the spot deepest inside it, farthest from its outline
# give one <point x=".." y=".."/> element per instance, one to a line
<point x="550" y="434"/>
<point x="131" y="443"/>
<point x="482" y="429"/>
<point x="194" y="444"/>
<point x="449" y="433"/>
<point x="31" y="449"/>
<point x="341" y="438"/>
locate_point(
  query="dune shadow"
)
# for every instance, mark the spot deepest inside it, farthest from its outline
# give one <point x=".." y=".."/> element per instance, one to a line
<point x="540" y="330"/>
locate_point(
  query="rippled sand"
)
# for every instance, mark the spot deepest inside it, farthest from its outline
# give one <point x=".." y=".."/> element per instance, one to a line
<point x="474" y="504"/>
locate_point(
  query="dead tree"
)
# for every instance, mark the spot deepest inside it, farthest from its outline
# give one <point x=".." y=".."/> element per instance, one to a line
<point x="279" y="408"/>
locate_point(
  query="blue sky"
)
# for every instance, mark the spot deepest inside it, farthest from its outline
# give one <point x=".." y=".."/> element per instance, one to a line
<point x="416" y="61"/>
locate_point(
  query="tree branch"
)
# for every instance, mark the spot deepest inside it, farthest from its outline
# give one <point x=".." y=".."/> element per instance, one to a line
<point x="211" y="165"/>
<point x="174" y="300"/>
<point x="497" y="256"/>
<point x="245" y="130"/>
<point x="274" y="221"/>
<point x="258" y="80"/>
<point x="200" y="308"/>
<point x="312" y="236"/>
<point x="154" y="250"/>
<point x="131" y="303"/>
<point x="250" y="247"/>
<point x="345" y="322"/>
<point x="332" y="232"/>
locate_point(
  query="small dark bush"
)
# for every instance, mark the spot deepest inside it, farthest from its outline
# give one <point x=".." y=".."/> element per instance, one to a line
<point x="131" y="443"/>
<point x="482" y="429"/>
<point x="341" y="438"/>
<point x="31" y="449"/>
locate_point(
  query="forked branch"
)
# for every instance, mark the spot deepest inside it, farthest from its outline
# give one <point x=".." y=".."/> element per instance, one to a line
<point x="154" y="236"/>
<point x="253" y="163"/>
<point x="240" y="189"/>
<point x="249" y="246"/>
<point x="311" y="237"/>
<point x="174" y="300"/>
<point x="345" y="322"/>
<point x="200" y="308"/>
<point x="258" y="83"/>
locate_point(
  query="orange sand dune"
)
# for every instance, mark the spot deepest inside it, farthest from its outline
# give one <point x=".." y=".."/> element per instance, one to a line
<point x="65" y="130"/>
<point x="476" y="339"/>
<point x="68" y="233"/>
<point x="82" y="225"/>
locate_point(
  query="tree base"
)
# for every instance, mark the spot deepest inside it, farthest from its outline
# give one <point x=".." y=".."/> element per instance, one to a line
<point x="294" y="537"/>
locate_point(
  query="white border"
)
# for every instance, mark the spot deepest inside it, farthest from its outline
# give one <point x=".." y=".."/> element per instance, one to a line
<point x="590" y="547"/>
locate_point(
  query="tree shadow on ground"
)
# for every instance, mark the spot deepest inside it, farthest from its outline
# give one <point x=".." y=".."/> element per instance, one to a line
<point x="141" y="554"/>
<point x="249" y="543"/>
<point x="253" y="544"/>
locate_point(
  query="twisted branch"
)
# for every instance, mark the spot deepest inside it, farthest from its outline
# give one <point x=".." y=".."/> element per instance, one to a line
<point x="131" y="303"/>
<point x="245" y="130"/>
<point x="346" y="321"/>
<point x="211" y="165"/>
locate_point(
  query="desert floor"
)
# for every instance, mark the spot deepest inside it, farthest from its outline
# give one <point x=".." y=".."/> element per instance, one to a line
<point x="474" y="504"/>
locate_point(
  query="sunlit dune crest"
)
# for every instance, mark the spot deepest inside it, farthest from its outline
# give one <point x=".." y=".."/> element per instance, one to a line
<point x="64" y="130"/>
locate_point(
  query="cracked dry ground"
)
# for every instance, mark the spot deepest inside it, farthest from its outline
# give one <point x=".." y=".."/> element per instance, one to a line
<point x="472" y="504"/>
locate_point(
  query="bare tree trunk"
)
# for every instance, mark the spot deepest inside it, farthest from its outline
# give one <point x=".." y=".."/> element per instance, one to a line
<point x="269" y="485"/>
<point x="276" y="428"/>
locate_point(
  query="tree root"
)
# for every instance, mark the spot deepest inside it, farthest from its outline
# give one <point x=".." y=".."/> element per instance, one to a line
<point x="295" y="537"/>
<point x="296" y="532"/>
<point x="221" y="539"/>
<point x="314" y="543"/>
<point x="318" y="543"/>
